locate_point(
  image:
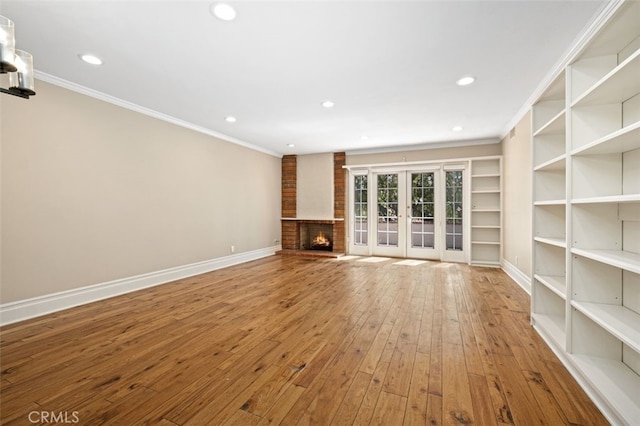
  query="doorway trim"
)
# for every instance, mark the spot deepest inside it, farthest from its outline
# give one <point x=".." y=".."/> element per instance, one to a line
<point x="439" y="166"/>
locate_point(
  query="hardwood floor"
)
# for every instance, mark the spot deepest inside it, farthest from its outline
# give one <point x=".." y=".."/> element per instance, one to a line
<point x="289" y="340"/>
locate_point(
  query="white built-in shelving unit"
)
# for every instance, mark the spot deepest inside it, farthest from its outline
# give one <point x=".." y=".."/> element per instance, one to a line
<point x="586" y="215"/>
<point x="549" y="285"/>
<point x="486" y="211"/>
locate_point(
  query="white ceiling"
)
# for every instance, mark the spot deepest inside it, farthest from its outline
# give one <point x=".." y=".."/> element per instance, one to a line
<point x="389" y="66"/>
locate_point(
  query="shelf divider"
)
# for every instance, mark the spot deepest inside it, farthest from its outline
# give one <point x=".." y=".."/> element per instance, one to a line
<point x="620" y="259"/>
<point x="616" y="85"/>
<point x="623" y="140"/>
<point x="558" y="242"/>
<point x="617" y="320"/>
<point x="555" y="283"/>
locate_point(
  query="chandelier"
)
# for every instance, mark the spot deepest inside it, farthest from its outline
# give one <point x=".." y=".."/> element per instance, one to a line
<point x="17" y="63"/>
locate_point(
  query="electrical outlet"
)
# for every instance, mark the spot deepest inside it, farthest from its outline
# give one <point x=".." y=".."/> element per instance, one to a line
<point x="233" y="249"/>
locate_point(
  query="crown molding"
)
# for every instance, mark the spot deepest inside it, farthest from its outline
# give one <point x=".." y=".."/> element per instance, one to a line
<point x="48" y="78"/>
<point x="424" y="146"/>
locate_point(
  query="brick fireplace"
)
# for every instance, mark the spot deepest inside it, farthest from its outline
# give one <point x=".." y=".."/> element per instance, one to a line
<point x="296" y="231"/>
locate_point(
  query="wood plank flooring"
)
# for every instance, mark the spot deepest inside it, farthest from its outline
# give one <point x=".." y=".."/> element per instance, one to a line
<point x="296" y="341"/>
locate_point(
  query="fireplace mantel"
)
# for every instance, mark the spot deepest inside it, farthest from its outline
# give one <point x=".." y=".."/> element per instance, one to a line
<point x="329" y="221"/>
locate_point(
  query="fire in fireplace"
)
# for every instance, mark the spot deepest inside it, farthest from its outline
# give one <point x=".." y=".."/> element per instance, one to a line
<point x="321" y="242"/>
<point x="316" y="236"/>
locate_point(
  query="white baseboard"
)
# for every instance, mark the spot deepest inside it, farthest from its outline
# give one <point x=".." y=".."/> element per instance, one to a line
<point x="42" y="305"/>
<point x="517" y="275"/>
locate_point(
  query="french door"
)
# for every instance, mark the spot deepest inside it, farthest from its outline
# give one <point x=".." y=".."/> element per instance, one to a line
<point x="389" y="225"/>
<point x="422" y="215"/>
<point x="415" y="213"/>
<point x="455" y="210"/>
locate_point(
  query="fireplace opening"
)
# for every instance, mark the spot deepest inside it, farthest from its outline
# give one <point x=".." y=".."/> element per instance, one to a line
<point x="316" y="237"/>
<point x="321" y="242"/>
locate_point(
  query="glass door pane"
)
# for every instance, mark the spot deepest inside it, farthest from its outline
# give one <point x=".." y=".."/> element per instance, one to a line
<point x="454" y="210"/>
<point x="387" y="206"/>
<point x="361" y="210"/>
<point x="422" y="205"/>
<point x="422" y="210"/>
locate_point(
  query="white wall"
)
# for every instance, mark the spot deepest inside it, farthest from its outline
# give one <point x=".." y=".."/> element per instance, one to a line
<point x="517" y="197"/>
<point x="92" y="192"/>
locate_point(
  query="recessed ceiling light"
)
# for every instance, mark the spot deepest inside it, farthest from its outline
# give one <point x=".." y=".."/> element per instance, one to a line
<point x="465" y="81"/>
<point x="328" y="104"/>
<point x="290" y="145"/>
<point x="457" y="128"/>
<point x="223" y="11"/>
<point x="230" y="119"/>
<point x="91" y="59"/>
